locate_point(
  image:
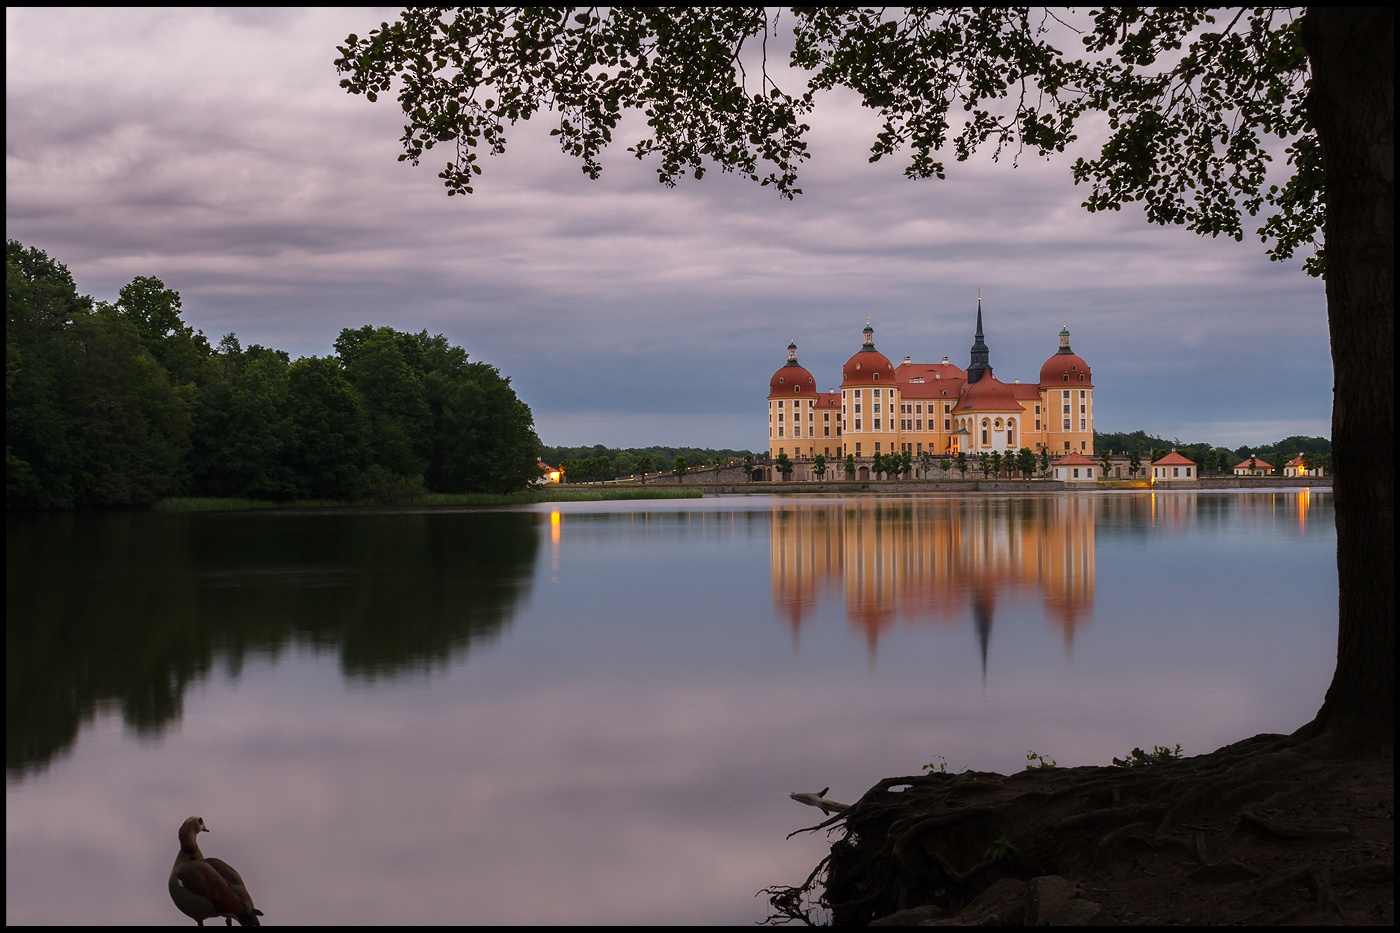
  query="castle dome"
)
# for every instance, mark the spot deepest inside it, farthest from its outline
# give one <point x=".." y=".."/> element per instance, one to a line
<point x="988" y="394"/>
<point x="867" y="366"/>
<point x="1066" y="367"/>
<point x="792" y="378"/>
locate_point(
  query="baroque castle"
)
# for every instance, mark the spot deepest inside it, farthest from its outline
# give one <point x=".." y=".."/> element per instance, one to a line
<point x="935" y="408"/>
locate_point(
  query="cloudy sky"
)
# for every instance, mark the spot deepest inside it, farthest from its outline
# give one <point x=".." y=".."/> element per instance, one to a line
<point x="215" y="150"/>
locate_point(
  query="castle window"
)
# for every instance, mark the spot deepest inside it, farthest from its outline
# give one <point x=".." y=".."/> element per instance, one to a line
<point x="1065" y="377"/>
<point x="876" y="376"/>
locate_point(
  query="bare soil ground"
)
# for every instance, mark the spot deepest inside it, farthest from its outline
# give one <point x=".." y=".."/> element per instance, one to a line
<point x="1275" y="830"/>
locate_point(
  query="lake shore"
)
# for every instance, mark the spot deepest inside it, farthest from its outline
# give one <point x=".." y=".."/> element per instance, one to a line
<point x="917" y="487"/>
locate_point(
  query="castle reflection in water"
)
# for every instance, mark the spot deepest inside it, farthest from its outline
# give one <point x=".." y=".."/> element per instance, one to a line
<point x="935" y="561"/>
<point x="944" y="561"/>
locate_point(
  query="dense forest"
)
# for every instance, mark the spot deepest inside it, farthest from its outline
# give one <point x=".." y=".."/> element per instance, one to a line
<point x="111" y="405"/>
<point x="1212" y="459"/>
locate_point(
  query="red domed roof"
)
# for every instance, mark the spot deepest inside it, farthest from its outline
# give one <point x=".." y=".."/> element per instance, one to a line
<point x="988" y="394"/>
<point x="867" y="367"/>
<point x="792" y="379"/>
<point x="1060" y="365"/>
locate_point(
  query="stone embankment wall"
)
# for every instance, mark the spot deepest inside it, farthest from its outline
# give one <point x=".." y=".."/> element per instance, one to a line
<point x="909" y="487"/>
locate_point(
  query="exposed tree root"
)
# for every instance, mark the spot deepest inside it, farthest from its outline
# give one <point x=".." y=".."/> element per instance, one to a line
<point x="1242" y="826"/>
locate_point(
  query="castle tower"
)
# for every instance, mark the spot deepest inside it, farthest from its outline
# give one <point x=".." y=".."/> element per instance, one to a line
<point x="1067" y="394"/>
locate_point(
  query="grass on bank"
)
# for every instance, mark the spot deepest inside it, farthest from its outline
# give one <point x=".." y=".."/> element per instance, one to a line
<point x="529" y="497"/>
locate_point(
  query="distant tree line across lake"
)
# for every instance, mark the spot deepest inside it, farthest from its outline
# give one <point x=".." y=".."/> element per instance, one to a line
<point x="111" y="405"/>
<point x="1211" y="459"/>
<point x="592" y="464"/>
<point x="599" y="462"/>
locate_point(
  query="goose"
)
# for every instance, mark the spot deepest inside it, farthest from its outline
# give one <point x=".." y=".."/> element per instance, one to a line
<point x="208" y="887"/>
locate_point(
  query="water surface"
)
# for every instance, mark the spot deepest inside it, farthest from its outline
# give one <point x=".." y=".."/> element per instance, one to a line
<point x="594" y="712"/>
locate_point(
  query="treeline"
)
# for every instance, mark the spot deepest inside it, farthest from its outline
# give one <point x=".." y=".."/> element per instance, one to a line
<point x="119" y="405"/>
<point x="586" y="464"/>
<point x="1317" y="451"/>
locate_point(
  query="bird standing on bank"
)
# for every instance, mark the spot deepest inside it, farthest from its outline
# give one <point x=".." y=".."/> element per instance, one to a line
<point x="208" y="887"/>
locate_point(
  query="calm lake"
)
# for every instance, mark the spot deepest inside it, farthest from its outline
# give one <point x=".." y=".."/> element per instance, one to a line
<point x="593" y="713"/>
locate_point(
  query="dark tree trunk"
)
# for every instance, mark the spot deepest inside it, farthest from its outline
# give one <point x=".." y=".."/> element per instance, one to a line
<point x="1352" y="107"/>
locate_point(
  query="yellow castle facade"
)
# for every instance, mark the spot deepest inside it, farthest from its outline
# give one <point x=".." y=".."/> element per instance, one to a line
<point x="935" y="408"/>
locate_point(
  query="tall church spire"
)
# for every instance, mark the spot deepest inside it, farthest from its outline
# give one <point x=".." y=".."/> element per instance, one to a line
<point x="980" y="366"/>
